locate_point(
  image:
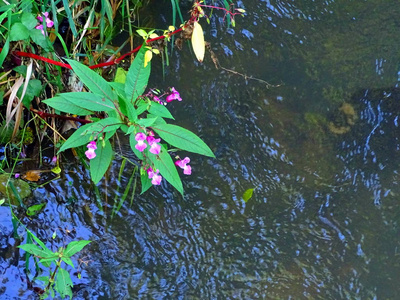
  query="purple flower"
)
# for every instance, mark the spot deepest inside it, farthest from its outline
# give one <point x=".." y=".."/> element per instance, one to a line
<point x="155" y="148"/>
<point x="90" y="153"/>
<point x="17" y="175"/>
<point x="154" y="176"/>
<point x="173" y="96"/>
<point x="49" y="23"/>
<point x="140" y="138"/>
<point x="183" y="164"/>
<point x="54" y="160"/>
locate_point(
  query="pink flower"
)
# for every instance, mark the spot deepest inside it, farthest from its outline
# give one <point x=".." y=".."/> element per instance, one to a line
<point x="49" y="23"/>
<point x="90" y="153"/>
<point x="17" y="175"/>
<point x="154" y="176"/>
<point x="183" y="164"/>
<point x="155" y="148"/>
<point x="54" y="160"/>
<point x="173" y="96"/>
<point x="140" y="138"/>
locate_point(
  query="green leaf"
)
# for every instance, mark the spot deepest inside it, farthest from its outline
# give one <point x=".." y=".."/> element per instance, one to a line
<point x="18" y="32"/>
<point x="142" y="33"/>
<point x="68" y="261"/>
<point x="70" y="18"/>
<point x="4" y="51"/>
<point x="164" y="163"/>
<point x="119" y="88"/>
<point x="128" y="110"/>
<point x="40" y="243"/>
<point x="146" y="122"/>
<point x="80" y="137"/>
<point x="45" y="279"/>
<point x="41" y="40"/>
<point x="35" y="250"/>
<point x="62" y="104"/>
<point x="92" y="80"/>
<point x="248" y="194"/>
<point x="63" y="283"/>
<point x="160" y="110"/>
<point x="75" y="247"/>
<point x="35" y="209"/>
<point x="120" y="75"/>
<point x="49" y="260"/>
<point x="100" y="164"/>
<point x="182" y="138"/>
<point x="138" y="77"/>
<point x="89" y="101"/>
<point x="106" y="125"/>
<point x="146" y="181"/>
<point x="33" y="90"/>
<point x="28" y="20"/>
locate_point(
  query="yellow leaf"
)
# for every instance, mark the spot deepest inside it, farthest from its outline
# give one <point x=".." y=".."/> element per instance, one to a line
<point x="155" y="51"/>
<point x="147" y="57"/>
<point x="153" y="35"/>
<point x="56" y="170"/>
<point x="198" y="44"/>
<point x="171" y="28"/>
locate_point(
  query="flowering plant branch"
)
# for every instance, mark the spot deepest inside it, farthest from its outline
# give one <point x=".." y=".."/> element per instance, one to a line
<point x="141" y="116"/>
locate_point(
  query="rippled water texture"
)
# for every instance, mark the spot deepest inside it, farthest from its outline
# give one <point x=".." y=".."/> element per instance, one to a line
<point x="322" y="151"/>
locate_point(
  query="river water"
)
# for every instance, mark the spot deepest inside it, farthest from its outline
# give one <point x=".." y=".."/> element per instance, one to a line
<point x="319" y="143"/>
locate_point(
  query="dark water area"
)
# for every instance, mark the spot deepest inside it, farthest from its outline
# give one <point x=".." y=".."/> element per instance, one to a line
<point x="321" y="149"/>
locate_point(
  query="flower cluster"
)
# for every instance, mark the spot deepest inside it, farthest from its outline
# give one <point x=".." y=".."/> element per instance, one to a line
<point x="183" y="164"/>
<point x="154" y="176"/>
<point x="90" y="153"/>
<point x="155" y="147"/>
<point x="49" y="23"/>
<point x="173" y="96"/>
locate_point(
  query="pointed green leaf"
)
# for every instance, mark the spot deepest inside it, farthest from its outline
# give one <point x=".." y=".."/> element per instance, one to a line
<point x="248" y="194"/>
<point x="146" y="181"/>
<point x="28" y="20"/>
<point x="61" y="104"/>
<point x="128" y="110"/>
<point x="35" y="250"/>
<point x="63" y="283"/>
<point x="95" y="83"/>
<point x="88" y="101"/>
<point x="120" y="75"/>
<point x="18" y="32"/>
<point x="75" y="247"/>
<point x="81" y="136"/>
<point x="100" y="164"/>
<point x="164" y="163"/>
<point x="138" y="77"/>
<point x="146" y="122"/>
<point x="160" y="110"/>
<point x="105" y="125"/>
<point x="48" y="260"/>
<point x="182" y="138"/>
<point x="68" y="261"/>
<point x="35" y="209"/>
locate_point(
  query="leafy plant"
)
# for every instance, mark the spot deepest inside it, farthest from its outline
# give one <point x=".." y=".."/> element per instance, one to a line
<point x="59" y="279"/>
<point x="125" y="107"/>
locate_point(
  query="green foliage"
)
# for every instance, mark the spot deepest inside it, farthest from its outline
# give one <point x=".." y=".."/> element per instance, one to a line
<point x="137" y="78"/>
<point x="126" y="107"/>
<point x="59" y="278"/>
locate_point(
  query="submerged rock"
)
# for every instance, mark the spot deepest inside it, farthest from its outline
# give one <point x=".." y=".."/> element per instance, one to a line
<point x="23" y="189"/>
